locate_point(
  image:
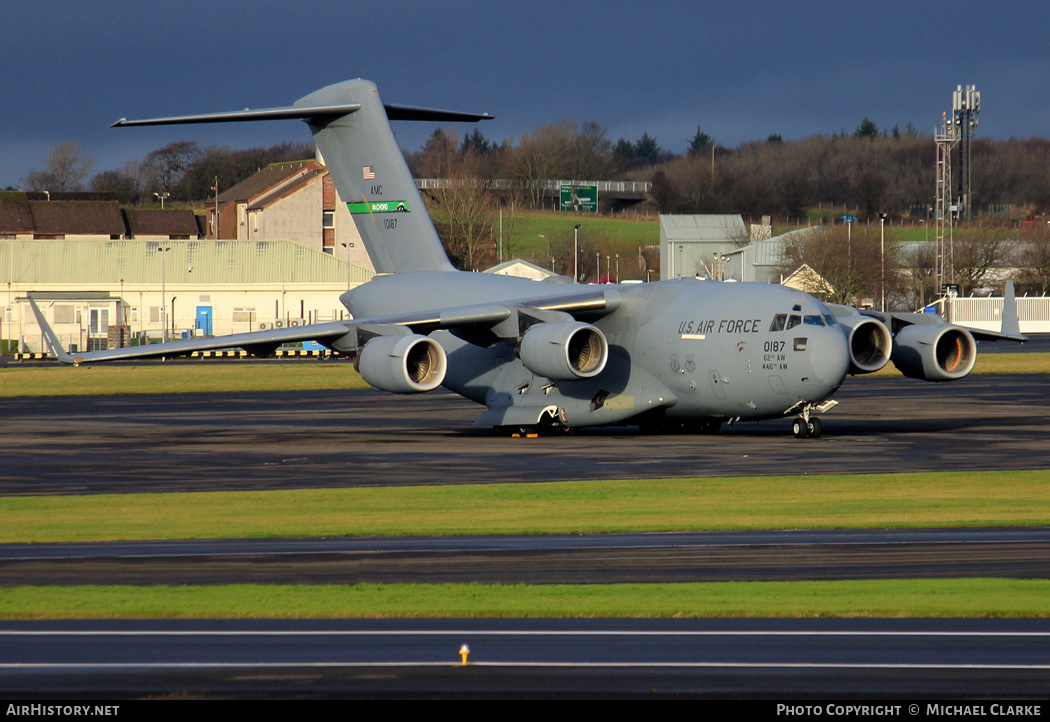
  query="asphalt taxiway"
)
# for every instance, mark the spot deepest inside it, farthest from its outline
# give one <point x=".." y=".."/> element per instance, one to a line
<point x="207" y="442"/>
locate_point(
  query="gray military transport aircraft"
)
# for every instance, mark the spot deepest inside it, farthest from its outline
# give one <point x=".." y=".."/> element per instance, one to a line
<point x="677" y="354"/>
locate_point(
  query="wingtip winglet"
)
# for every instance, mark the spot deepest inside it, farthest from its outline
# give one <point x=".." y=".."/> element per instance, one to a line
<point x="49" y="335"/>
<point x="1011" y="324"/>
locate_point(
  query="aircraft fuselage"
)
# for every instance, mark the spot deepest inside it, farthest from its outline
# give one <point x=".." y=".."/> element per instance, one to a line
<point x="682" y="349"/>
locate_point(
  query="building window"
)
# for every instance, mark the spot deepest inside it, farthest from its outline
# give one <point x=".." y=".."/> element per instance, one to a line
<point x="65" y="313"/>
<point x="243" y="315"/>
<point x="154" y="314"/>
<point x="328" y="219"/>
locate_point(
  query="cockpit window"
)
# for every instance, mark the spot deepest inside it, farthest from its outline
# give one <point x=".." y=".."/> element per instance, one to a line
<point x="778" y="322"/>
<point x="830" y="319"/>
<point x="814" y="320"/>
<point x="794" y="320"/>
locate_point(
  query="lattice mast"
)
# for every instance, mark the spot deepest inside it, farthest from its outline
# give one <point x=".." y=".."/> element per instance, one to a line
<point x="947" y="137"/>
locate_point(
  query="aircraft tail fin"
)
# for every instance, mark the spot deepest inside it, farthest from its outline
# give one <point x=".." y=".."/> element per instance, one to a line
<point x="354" y="140"/>
<point x="1011" y="325"/>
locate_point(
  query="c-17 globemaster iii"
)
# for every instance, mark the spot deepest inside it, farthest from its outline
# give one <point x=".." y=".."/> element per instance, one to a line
<point x="556" y="355"/>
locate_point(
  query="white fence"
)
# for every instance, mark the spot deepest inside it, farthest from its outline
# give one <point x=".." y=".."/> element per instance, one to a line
<point x="1033" y="313"/>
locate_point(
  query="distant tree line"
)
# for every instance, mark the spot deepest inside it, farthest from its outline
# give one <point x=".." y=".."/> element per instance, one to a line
<point x="869" y="170"/>
<point x="182" y="169"/>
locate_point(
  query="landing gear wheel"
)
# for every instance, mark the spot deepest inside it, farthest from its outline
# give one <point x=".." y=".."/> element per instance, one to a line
<point x="815" y="428"/>
<point x="800" y="428"/>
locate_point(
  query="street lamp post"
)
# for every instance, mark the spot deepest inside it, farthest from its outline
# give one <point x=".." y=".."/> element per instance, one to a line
<point x="576" y="254"/>
<point x="882" y="250"/>
<point x="163" y="291"/>
<point x="347" y="246"/>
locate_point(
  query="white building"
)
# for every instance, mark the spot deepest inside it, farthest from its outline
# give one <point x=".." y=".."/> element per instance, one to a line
<point x="197" y="287"/>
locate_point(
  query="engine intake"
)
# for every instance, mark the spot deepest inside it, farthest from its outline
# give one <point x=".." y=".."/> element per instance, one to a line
<point x="564" y="351"/>
<point x="403" y="364"/>
<point x="870" y="344"/>
<point x="934" y="352"/>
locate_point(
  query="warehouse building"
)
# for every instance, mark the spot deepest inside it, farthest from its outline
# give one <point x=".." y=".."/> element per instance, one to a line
<point x="112" y="292"/>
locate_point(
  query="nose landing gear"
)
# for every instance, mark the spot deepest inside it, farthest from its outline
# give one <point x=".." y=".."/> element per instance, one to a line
<point x="808" y="426"/>
<point x="803" y="428"/>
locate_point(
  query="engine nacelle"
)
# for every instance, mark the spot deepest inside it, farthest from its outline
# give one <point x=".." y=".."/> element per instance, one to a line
<point x="934" y="352"/>
<point x="870" y="343"/>
<point x="403" y="364"/>
<point x="564" y="351"/>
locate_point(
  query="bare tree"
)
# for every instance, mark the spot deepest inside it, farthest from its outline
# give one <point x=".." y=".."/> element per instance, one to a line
<point x="977" y="255"/>
<point x="66" y="167"/>
<point x="848" y="261"/>
<point x="462" y="213"/>
<point x="1034" y="259"/>
<point x="171" y="162"/>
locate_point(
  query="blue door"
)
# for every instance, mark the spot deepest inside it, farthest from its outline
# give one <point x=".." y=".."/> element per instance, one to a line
<point x="204" y="320"/>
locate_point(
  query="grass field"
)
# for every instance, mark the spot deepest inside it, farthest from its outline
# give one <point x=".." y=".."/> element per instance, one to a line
<point x="1016" y="498"/>
<point x="206" y="377"/>
<point x="176" y="377"/>
<point x="860" y="598"/>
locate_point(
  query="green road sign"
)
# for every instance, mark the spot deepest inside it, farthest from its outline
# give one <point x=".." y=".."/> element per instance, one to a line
<point x="579" y="198"/>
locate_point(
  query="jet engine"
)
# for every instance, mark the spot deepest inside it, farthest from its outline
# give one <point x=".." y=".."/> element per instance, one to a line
<point x="403" y="364"/>
<point x="564" y="351"/>
<point x="934" y="352"/>
<point x="870" y="344"/>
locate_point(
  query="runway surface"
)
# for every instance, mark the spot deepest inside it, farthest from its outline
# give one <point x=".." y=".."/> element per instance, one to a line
<point x="295" y="440"/>
<point x="206" y="442"/>
<point x="779" y="659"/>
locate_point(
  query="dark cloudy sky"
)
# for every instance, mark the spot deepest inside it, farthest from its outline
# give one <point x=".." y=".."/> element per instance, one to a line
<point x="742" y="70"/>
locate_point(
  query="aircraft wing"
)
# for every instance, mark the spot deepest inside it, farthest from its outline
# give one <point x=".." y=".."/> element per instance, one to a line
<point x="894" y="321"/>
<point x="480" y="323"/>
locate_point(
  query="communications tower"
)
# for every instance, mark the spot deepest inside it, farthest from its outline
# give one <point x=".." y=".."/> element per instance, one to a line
<point x="947" y="137"/>
<point x="966" y="104"/>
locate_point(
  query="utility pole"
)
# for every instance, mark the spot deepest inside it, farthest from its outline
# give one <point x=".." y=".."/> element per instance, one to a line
<point x="576" y="254"/>
<point x="163" y="296"/>
<point x="882" y="245"/>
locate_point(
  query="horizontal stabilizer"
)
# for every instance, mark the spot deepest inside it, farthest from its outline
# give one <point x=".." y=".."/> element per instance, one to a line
<point x="286" y="113"/>
<point x="317" y="115"/>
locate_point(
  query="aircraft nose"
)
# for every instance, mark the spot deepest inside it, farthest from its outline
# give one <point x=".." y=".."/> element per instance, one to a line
<point x="830" y="354"/>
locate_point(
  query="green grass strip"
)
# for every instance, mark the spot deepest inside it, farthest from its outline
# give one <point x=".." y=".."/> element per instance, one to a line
<point x="975" y="499"/>
<point x="863" y="598"/>
<point x="997" y="363"/>
<point x="174" y="378"/>
<point x="211" y="377"/>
